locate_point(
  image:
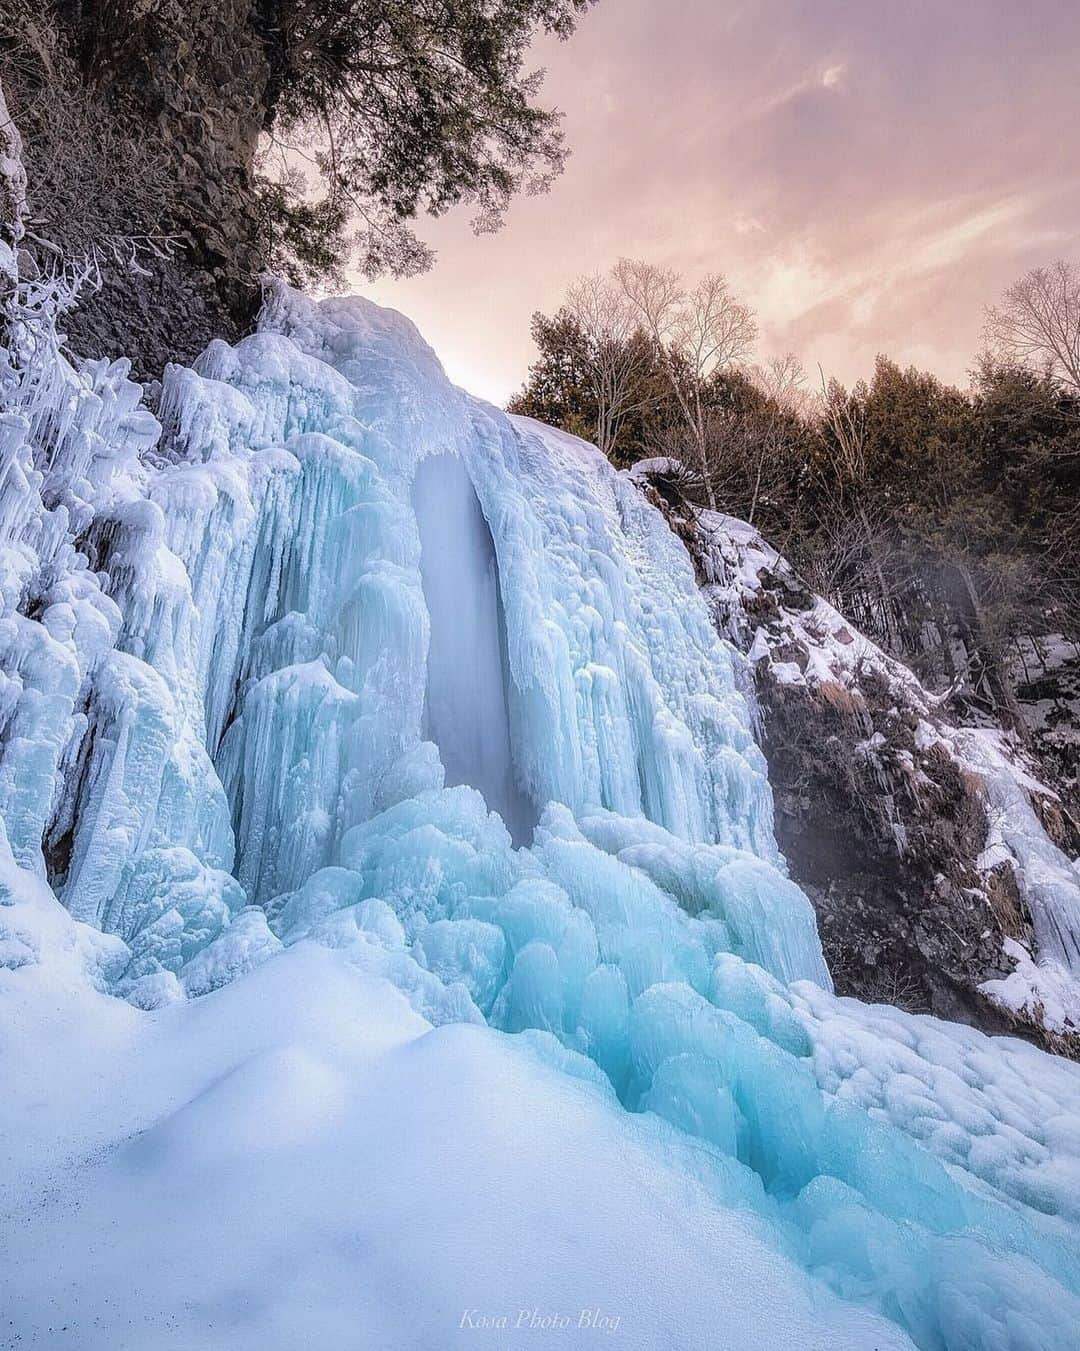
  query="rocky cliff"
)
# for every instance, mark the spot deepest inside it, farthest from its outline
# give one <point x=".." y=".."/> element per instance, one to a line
<point x="936" y="855"/>
<point x="140" y="125"/>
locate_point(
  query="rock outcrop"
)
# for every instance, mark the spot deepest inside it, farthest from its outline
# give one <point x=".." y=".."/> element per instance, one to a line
<point x="172" y="99"/>
<point x="935" y="854"/>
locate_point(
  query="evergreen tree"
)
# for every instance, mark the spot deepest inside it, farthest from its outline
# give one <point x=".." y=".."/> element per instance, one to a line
<point x="566" y="386"/>
<point x="945" y="523"/>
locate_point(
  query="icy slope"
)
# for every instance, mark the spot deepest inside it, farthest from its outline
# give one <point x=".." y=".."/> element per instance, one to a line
<point x="270" y="676"/>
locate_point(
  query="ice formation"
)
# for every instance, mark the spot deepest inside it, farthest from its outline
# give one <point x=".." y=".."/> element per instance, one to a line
<point x="337" y="657"/>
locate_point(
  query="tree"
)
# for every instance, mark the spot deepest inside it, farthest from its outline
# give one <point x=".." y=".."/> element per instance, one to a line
<point x="1038" y="323"/>
<point x="844" y="436"/>
<point x="618" y="358"/>
<point x="598" y="375"/>
<point x="942" y="522"/>
<point x="557" y="390"/>
<point x="12" y="217"/>
<point x="96" y="192"/>
<point x="946" y="569"/>
<point x="782" y="383"/>
<point x="1029" y="445"/>
<point x="698" y="332"/>
<point x="756" y="431"/>
<point x="414" y="105"/>
<point x="13" y="208"/>
<point x="371" y="113"/>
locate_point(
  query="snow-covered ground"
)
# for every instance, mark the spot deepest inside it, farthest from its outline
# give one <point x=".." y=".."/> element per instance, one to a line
<point x="299" y="1047"/>
<point x="301" y="1160"/>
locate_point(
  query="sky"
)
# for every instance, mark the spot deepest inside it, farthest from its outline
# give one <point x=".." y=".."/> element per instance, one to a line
<point x="868" y="174"/>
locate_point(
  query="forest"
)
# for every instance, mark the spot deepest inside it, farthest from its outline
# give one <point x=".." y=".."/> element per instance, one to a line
<point x="942" y="521"/>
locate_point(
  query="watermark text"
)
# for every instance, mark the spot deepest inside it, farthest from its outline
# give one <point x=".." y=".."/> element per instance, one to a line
<point x="540" y="1320"/>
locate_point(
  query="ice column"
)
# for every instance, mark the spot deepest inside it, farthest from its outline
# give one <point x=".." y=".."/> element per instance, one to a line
<point x="466" y="704"/>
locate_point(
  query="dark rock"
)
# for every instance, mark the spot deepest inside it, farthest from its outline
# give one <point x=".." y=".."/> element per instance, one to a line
<point x="185" y="85"/>
<point x="882" y="832"/>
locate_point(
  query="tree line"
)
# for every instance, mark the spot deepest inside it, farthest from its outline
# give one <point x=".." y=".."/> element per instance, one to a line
<point x="942" y="521"/>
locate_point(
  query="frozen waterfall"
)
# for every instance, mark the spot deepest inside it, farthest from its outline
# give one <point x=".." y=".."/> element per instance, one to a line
<point x="338" y="673"/>
<point x="466" y="708"/>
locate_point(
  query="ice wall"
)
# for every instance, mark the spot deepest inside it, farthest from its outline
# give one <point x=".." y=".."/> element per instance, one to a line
<point x="287" y="667"/>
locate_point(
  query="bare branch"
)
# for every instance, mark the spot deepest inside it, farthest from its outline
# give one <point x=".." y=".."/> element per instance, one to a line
<point x="1037" y="324"/>
<point x="699" y="333"/>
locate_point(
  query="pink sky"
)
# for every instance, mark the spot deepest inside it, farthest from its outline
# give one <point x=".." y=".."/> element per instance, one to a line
<point x="868" y="174"/>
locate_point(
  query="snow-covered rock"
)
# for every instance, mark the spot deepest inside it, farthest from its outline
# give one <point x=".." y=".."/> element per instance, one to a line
<point x="923" y="842"/>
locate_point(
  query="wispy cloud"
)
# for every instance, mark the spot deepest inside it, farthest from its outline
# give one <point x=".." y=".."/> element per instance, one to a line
<point x="869" y="174"/>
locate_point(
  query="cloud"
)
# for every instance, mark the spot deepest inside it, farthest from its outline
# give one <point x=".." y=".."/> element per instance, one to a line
<point x="869" y="175"/>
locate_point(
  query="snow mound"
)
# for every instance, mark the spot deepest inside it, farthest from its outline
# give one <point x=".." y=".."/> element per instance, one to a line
<point x="299" y="1159"/>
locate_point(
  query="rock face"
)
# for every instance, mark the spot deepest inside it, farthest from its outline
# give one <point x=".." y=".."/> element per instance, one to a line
<point x="921" y="844"/>
<point x="182" y="88"/>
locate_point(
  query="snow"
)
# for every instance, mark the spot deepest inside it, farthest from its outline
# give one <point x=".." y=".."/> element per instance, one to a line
<point x="258" y="1169"/>
<point x="640" y="470"/>
<point x="271" y="672"/>
<point x="1049" y="880"/>
<point x="1046" y="992"/>
<point x="1046" y="671"/>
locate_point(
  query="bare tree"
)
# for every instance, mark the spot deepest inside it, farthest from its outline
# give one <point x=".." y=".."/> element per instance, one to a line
<point x="844" y="415"/>
<point x="754" y="427"/>
<point x="697" y="333"/>
<point x="783" y="382"/>
<point x="13" y="207"/>
<point x="618" y="355"/>
<point x="32" y="299"/>
<point x="97" y="190"/>
<point x="843" y="422"/>
<point x="1038" y="322"/>
<point x="839" y="553"/>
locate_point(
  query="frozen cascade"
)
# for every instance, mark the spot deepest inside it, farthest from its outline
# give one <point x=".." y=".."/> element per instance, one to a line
<point x="277" y="680"/>
<point x="466" y="710"/>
